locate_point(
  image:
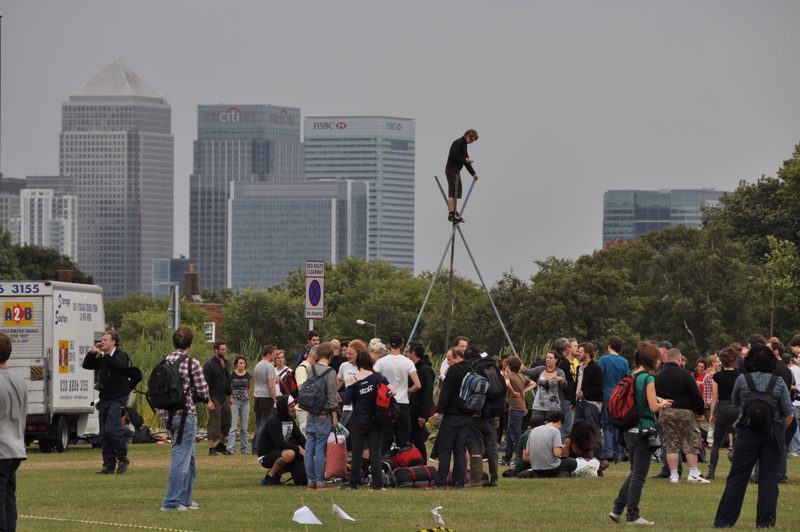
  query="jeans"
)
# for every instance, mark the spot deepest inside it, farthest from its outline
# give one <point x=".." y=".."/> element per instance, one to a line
<point x="631" y="491"/>
<point x="240" y="412"/>
<point x="585" y="410"/>
<point x="452" y="440"/>
<point x="609" y="436"/>
<point x="794" y="445"/>
<point x="317" y="430"/>
<point x="366" y="433"/>
<point x="751" y="446"/>
<point x="567" y="419"/>
<point x="112" y="440"/>
<point x="8" y="493"/>
<point x="182" y="467"/>
<point x="513" y="432"/>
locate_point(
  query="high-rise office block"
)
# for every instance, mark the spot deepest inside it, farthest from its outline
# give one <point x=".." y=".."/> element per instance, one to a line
<point x="242" y="143"/>
<point x="276" y="227"/>
<point x="628" y="214"/>
<point x="47" y="219"/>
<point x="116" y="141"/>
<point x="379" y="150"/>
<point x="10" y="188"/>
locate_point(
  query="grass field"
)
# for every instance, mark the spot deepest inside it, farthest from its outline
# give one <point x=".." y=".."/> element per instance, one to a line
<point x="61" y="492"/>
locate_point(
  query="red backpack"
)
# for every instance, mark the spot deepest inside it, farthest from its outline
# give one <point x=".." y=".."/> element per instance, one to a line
<point x="622" y="411"/>
<point x="384" y="408"/>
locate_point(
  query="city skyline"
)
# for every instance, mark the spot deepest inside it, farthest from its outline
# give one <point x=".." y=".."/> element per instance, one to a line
<point x="570" y="99"/>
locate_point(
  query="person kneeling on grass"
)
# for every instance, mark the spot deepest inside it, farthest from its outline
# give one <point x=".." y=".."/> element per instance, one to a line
<point x="580" y="443"/>
<point x="281" y="443"/>
<point x="544" y="449"/>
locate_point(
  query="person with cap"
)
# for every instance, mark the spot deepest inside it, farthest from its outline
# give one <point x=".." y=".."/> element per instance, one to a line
<point x="280" y="443"/>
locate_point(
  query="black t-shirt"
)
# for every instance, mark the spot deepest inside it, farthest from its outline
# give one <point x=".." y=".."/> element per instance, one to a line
<point x="725" y="380"/>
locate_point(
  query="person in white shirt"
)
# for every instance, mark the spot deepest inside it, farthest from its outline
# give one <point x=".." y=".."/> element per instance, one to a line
<point x="398" y="370"/>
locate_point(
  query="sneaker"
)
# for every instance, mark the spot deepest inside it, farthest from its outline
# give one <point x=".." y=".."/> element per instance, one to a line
<point x="794" y="454"/>
<point x="455" y="218"/>
<point x="697" y="479"/>
<point x="433" y="458"/>
<point x="122" y="466"/>
<point x="271" y="480"/>
<point x="105" y="471"/>
<point x="675" y="479"/>
<point x="311" y="487"/>
<point x="328" y="487"/>
<point x="221" y="448"/>
<point x="377" y="489"/>
<point x="212" y="452"/>
<point x="641" y="521"/>
<point x="617" y="518"/>
<point x="753" y="480"/>
<point x="193" y="506"/>
<point x="180" y="508"/>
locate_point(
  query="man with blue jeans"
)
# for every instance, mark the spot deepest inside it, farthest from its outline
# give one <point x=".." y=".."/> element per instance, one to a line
<point x="182" y="425"/>
<point x="320" y="424"/>
<point x="589" y="392"/>
<point x="614" y="370"/>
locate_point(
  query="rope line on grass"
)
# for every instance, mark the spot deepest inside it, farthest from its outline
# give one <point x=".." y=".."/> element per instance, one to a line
<point x="101" y="523"/>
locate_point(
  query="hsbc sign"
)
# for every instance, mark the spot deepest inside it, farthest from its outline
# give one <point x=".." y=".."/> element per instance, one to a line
<point x="394" y="126"/>
<point x="329" y="125"/>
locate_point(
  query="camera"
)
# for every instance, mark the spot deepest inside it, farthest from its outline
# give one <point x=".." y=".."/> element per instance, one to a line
<point x="99" y="386"/>
<point x="197" y="399"/>
<point x="653" y="436"/>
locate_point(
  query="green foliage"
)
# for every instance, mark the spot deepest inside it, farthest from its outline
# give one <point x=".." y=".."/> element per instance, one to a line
<point x="9" y="266"/>
<point x="138" y="315"/>
<point x="790" y="174"/>
<point x="780" y="282"/>
<point x="42" y="264"/>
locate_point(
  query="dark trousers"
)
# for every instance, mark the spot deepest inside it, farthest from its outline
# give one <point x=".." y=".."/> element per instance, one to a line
<point x="362" y="434"/>
<point x="513" y="432"/>
<point x="586" y="411"/>
<point x="725" y="416"/>
<point x="263" y="411"/>
<point x="399" y="431"/>
<point x="751" y="446"/>
<point x="452" y="440"/>
<point x="418" y="438"/>
<point x="631" y="491"/>
<point x="8" y="493"/>
<point x="482" y="439"/>
<point x="112" y="438"/>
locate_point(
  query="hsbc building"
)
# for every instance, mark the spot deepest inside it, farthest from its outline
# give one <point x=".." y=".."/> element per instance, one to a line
<point x="379" y="150"/>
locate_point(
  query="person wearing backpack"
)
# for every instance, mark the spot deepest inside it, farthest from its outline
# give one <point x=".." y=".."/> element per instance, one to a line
<point x="110" y="362"/>
<point x="456" y="423"/>
<point x="765" y="413"/>
<point x="182" y="424"/>
<point x="482" y="438"/>
<point x="319" y="399"/>
<point x="637" y="439"/>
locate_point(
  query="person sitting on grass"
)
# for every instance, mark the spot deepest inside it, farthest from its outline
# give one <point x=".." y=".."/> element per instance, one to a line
<point x="544" y="449"/>
<point x="281" y="443"/>
<point x="580" y="443"/>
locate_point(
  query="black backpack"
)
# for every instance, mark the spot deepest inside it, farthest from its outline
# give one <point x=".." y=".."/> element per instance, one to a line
<point x="759" y="407"/>
<point x="313" y="395"/>
<point x="165" y="390"/>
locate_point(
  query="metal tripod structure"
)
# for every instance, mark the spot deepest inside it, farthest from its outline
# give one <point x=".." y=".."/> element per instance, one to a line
<point x="451" y="245"/>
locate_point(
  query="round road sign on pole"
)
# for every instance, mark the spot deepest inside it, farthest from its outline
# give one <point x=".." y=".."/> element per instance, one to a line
<point x="315" y="289"/>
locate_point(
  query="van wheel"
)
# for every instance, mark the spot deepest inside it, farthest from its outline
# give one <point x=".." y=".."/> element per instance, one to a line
<point x="61" y="443"/>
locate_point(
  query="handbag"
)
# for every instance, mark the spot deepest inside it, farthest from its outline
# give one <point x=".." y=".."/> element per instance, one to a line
<point x="335" y="457"/>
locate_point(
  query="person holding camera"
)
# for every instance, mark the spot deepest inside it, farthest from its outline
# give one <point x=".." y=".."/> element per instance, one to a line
<point x="182" y="425"/>
<point x="640" y="438"/>
<point x="112" y="382"/>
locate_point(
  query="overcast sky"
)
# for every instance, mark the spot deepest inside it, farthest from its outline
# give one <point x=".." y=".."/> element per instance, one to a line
<point x="570" y="98"/>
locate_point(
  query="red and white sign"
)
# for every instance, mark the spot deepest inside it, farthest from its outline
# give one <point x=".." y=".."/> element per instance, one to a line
<point x="315" y="289"/>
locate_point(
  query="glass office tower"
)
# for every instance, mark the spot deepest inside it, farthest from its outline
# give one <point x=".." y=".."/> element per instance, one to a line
<point x="116" y="142"/>
<point x="235" y="143"/>
<point x="628" y="214"/>
<point x="277" y="227"/>
<point x="380" y="151"/>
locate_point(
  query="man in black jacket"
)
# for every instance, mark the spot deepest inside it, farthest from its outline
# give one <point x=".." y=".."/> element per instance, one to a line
<point x="589" y="392"/>
<point x="114" y="386"/>
<point x="456" y="160"/>
<point x="419" y="402"/>
<point x="455" y="425"/>
<point x="281" y="443"/>
<point x="217" y="371"/>
<point x="681" y="432"/>
<point x="482" y="439"/>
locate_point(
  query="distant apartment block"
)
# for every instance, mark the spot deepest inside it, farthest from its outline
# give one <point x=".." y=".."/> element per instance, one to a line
<point x="628" y="214"/>
<point x="10" y="188"/>
<point x="48" y="219"/>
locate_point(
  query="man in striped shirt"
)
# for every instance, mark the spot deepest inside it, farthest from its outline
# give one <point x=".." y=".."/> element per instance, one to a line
<point x="182" y="425"/>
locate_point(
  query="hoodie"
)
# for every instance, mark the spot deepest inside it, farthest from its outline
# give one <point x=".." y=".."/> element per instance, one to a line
<point x="280" y="431"/>
<point x="420" y="401"/>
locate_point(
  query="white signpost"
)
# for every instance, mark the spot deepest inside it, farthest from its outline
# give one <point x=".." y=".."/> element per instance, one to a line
<point x="315" y="289"/>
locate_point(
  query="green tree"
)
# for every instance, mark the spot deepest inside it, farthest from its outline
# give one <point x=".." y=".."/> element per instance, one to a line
<point x="780" y="281"/>
<point x="42" y="264"/>
<point x="9" y="267"/>
<point x="789" y="173"/>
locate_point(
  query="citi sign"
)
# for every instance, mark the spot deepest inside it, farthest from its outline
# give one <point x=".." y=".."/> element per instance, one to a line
<point x="330" y="125"/>
<point x="231" y="115"/>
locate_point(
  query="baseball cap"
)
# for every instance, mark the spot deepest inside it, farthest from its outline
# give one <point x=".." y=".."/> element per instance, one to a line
<point x="665" y="344"/>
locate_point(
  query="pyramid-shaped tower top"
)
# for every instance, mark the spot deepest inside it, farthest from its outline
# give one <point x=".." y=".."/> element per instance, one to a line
<point x="116" y="80"/>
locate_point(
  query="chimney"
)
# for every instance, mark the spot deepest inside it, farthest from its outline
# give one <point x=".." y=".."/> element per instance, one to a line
<point x="192" y="283"/>
<point x="65" y="276"/>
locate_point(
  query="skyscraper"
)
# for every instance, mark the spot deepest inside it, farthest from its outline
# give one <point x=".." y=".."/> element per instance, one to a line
<point x="379" y="150"/>
<point x="116" y="142"/>
<point x="628" y="214"/>
<point x="243" y="143"/>
<point x="276" y="227"/>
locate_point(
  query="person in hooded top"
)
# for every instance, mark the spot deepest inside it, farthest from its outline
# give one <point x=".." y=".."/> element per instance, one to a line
<point x="281" y="442"/>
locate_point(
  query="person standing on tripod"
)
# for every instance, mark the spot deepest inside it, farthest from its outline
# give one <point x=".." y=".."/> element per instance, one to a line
<point x="456" y="160"/>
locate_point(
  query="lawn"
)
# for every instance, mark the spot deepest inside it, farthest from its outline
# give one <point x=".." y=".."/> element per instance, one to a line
<point x="61" y="492"/>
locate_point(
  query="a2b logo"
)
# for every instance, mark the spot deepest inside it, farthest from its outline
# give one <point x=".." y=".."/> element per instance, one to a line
<point x="17" y="314"/>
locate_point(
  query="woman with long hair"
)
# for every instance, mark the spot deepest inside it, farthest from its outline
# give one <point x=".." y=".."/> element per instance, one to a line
<point x="580" y="443"/>
<point x="723" y="412"/>
<point x="550" y="385"/>
<point x="645" y="362"/>
<point x="241" y="386"/>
